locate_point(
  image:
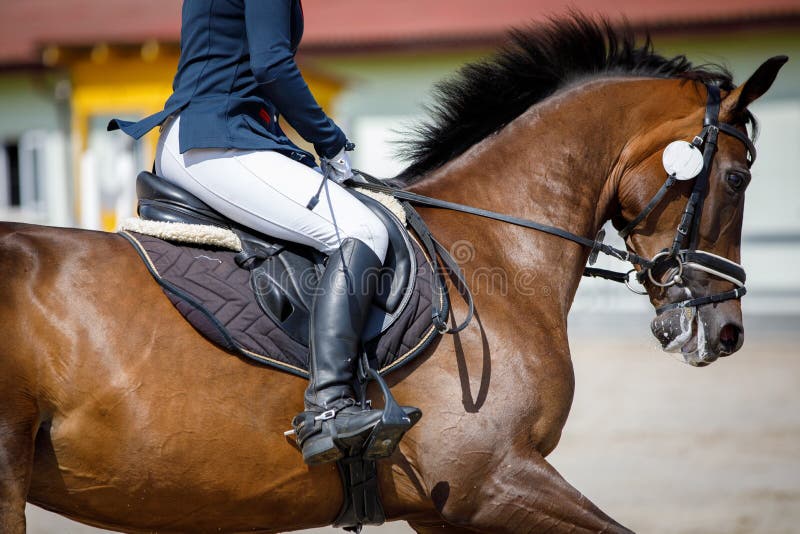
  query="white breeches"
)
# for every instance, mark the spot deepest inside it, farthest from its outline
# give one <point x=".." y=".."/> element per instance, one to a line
<point x="269" y="192"/>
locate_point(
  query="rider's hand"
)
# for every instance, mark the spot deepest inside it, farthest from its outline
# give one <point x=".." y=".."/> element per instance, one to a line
<point x="338" y="168"/>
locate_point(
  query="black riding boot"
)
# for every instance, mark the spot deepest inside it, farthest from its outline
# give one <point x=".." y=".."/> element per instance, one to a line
<point x="338" y="315"/>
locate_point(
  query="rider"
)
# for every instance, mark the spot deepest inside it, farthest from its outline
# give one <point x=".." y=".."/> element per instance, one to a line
<point x="221" y="141"/>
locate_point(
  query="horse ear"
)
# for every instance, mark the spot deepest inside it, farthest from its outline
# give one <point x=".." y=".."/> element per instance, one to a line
<point x="758" y="84"/>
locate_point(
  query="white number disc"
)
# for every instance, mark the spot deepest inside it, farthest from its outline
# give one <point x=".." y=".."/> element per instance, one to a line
<point x="682" y="160"/>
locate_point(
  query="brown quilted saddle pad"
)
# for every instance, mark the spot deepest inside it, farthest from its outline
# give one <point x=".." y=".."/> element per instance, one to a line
<point x="215" y="296"/>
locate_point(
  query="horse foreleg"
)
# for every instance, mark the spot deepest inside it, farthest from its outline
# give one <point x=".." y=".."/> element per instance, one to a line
<point x="522" y="494"/>
<point x="16" y="465"/>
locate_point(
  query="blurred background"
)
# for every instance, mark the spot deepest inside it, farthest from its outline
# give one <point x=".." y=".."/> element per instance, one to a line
<point x="68" y="66"/>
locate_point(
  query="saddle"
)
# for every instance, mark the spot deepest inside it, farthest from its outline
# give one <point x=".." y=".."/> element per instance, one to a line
<point x="256" y="300"/>
<point x="285" y="275"/>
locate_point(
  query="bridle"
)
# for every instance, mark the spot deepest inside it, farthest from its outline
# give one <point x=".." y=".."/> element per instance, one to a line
<point x="676" y="258"/>
<point x="682" y="254"/>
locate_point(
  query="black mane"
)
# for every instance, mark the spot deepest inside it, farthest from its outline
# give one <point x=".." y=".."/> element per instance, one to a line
<point x="485" y="96"/>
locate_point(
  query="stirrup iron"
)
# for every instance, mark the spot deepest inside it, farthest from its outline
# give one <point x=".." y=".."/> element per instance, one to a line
<point x="394" y="423"/>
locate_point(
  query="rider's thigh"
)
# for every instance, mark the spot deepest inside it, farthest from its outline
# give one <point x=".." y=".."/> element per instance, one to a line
<point x="270" y="192"/>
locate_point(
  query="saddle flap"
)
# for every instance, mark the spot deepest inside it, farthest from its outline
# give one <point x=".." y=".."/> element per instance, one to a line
<point x="397" y="266"/>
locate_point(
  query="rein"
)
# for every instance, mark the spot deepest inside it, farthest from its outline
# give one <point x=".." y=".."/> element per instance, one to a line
<point x="674" y="257"/>
<point x="421" y="200"/>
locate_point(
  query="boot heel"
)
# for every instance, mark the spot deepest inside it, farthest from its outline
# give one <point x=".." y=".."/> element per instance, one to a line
<point x="321" y="450"/>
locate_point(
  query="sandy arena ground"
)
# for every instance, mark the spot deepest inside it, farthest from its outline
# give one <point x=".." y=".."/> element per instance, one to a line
<point x="662" y="447"/>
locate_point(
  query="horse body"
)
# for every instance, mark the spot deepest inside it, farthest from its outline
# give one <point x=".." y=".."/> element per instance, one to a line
<point x="115" y="412"/>
<point x="166" y="401"/>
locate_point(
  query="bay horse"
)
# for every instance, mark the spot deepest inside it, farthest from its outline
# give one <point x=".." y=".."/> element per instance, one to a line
<point x="116" y="413"/>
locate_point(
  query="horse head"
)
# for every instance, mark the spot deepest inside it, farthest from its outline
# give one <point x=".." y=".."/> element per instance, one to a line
<point x="691" y="225"/>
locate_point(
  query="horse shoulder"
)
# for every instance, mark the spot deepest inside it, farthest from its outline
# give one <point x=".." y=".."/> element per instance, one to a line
<point x="48" y="274"/>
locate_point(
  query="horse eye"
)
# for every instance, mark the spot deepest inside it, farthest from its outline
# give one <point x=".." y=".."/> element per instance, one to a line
<point x="736" y="181"/>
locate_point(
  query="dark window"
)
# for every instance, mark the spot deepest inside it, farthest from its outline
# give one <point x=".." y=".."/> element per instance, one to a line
<point x="12" y="160"/>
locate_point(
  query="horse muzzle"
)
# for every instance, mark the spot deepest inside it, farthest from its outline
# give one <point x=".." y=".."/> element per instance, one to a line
<point x="698" y="336"/>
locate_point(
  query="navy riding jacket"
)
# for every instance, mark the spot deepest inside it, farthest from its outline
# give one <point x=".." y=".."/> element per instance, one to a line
<point x="236" y="74"/>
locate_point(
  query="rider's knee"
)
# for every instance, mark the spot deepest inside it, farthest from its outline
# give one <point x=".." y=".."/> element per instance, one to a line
<point x="371" y="232"/>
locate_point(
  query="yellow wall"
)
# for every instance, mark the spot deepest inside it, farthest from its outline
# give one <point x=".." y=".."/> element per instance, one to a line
<point x="108" y="82"/>
<point x="121" y="86"/>
<point x="116" y="86"/>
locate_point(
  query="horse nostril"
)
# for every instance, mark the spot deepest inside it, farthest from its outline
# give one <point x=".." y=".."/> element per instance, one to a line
<point x="729" y="338"/>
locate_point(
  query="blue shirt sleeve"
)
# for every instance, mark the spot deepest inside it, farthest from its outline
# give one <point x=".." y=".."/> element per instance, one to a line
<point x="268" y="24"/>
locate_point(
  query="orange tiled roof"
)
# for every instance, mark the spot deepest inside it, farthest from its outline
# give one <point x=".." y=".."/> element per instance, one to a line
<point x="27" y="25"/>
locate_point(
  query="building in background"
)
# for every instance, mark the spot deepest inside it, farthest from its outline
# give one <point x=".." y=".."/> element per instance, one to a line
<point x="67" y="66"/>
<point x="34" y="182"/>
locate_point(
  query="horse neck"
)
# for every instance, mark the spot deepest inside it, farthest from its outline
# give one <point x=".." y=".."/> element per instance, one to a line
<point x="556" y="164"/>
